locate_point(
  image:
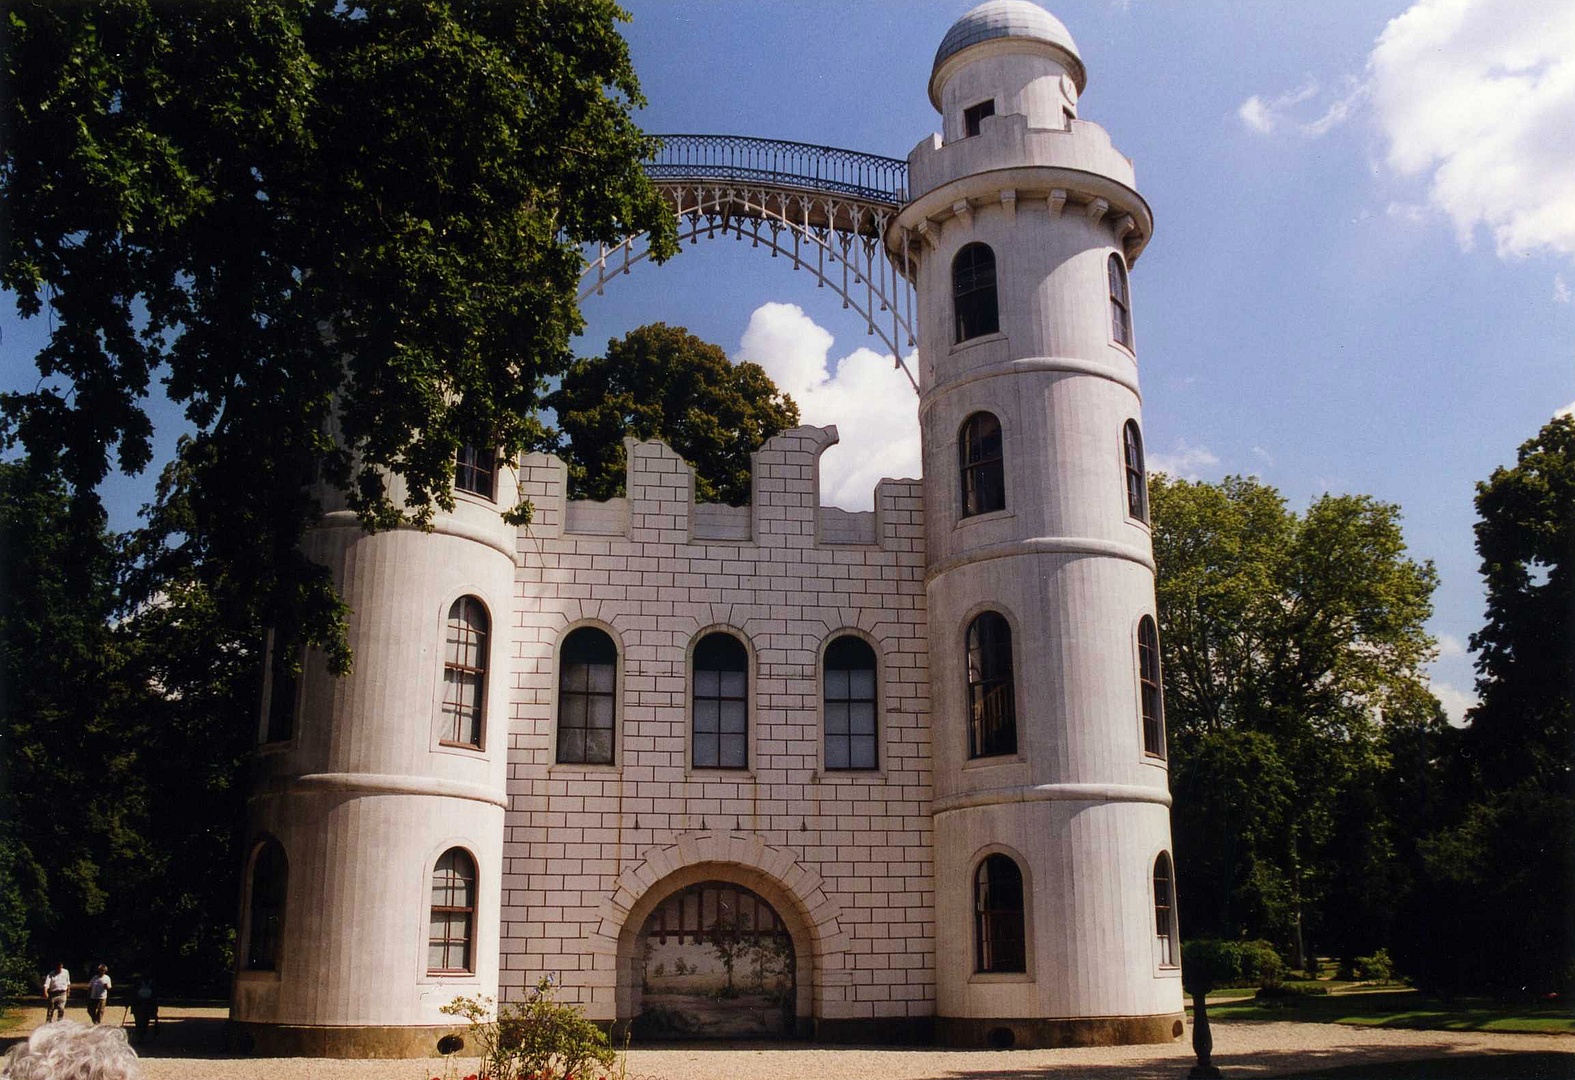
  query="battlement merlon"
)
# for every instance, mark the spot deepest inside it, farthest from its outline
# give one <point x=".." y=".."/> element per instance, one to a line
<point x="784" y="510"/>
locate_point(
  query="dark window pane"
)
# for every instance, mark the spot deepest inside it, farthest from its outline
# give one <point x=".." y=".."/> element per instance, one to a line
<point x="999" y="943"/>
<point x="587" y="697"/>
<point x="1137" y="479"/>
<point x="720" y="707"/>
<point x="992" y="707"/>
<point x="849" y="704"/>
<point x="981" y="464"/>
<point x="973" y="292"/>
<point x="974" y="115"/>
<point x="473" y="471"/>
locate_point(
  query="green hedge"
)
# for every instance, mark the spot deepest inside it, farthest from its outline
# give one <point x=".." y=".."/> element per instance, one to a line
<point x="1211" y="964"/>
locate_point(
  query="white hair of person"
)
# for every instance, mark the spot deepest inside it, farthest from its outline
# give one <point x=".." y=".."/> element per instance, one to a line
<point x="67" y="1050"/>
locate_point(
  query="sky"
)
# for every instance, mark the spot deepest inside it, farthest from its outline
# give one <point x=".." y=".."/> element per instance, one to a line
<point x="1363" y="267"/>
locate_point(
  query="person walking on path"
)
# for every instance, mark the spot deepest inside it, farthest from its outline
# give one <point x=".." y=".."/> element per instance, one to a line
<point x="98" y="994"/>
<point x="57" y="985"/>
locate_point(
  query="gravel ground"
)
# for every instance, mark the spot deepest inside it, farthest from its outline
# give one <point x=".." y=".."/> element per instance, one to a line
<point x="187" y="1049"/>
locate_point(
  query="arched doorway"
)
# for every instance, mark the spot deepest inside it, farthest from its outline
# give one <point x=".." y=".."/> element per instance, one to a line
<point x="715" y="960"/>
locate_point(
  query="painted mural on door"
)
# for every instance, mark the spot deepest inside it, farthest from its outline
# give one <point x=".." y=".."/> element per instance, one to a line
<point x="718" y="963"/>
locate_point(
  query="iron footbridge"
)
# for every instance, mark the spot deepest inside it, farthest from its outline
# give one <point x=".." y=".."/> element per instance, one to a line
<point x="825" y="208"/>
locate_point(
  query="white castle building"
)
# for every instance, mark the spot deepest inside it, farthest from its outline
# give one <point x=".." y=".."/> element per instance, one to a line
<point x="910" y="761"/>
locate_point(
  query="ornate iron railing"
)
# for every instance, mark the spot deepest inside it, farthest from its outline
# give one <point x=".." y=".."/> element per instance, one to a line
<point x="788" y="164"/>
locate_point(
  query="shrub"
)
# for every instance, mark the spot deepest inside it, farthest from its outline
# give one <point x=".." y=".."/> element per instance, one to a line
<point x="1209" y="964"/>
<point x="1288" y="992"/>
<point x="1378" y="968"/>
<point x="541" y="1039"/>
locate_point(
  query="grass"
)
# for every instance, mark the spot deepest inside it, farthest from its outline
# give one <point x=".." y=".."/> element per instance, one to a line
<point x="1402" y="1009"/>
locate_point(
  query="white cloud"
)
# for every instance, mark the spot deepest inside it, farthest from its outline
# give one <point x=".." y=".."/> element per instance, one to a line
<point x="1185" y="461"/>
<point x="1478" y="97"/>
<point x="1455" y="702"/>
<point x="1263" y="455"/>
<point x="873" y="405"/>
<point x="1449" y="647"/>
<point x="1262" y="115"/>
<point x="1568" y="410"/>
<point x="1412" y="212"/>
<point x="1561" y="291"/>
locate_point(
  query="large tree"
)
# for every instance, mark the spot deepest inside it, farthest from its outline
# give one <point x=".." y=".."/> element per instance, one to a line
<point x="1287" y="641"/>
<point x="1505" y="843"/>
<point x="662" y="382"/>
<point x="344" y="235"/>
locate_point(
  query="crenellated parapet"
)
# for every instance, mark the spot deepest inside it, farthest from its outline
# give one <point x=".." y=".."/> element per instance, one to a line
<point x="784" y="510"/>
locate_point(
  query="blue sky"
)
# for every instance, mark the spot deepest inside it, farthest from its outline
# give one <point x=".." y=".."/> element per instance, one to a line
<point x="1364" y="252"/>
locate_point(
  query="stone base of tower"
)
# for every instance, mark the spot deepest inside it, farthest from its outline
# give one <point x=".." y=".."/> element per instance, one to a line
<point x="1024" y="1033"/>
<point x="368" y="1041"/>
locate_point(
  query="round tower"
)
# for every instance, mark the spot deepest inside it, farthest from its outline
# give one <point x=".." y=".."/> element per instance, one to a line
<point x="1055" y="918"/>
<point x="371" y="891"/>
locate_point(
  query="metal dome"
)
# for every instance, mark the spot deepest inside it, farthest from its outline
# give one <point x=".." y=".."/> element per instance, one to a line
<point x="1009" y="19"/>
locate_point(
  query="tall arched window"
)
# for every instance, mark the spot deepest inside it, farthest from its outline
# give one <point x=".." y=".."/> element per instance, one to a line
<point x="587" y="697"/>
<point x="474" y="470"/>
<point x="283" y="689"/>
<point x="992" y="706"/>
<point x="998" y="916"/>
<point x="721" y="703"/>
<point x="1137" y="479"/>
<point x="464" y="673"/>
<point x="265" y="918"/>
<point x="1120" y="302"/>
<point x="1164" y="912"/>
<point x="981" y="465"/>
<point x="973" y="292"/>
<point x="1153" y="703"/>
<point x="849" y="683"/>
<point x="452" y="929"/>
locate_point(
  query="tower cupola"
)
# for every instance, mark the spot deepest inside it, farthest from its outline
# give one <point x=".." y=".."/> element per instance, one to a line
<point x="1034" y="68"/>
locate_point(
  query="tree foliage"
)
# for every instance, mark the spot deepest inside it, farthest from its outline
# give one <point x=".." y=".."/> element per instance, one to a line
<point x="1505" y="840"/>
<point x="1288" y="641"/>
<point x="662" y="382"/>
<point x="345" y="237"/>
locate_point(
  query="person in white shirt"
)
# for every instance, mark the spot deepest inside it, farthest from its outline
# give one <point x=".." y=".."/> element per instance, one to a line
<point x="57" y="984"/>
<point x="98" y="994"/>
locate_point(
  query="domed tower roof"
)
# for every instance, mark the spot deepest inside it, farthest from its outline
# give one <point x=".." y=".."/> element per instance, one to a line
<point x="1018" y="19"/>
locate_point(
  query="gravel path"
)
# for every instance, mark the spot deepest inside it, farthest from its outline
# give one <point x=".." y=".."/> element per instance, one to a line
<point x="1242" y="1048"/>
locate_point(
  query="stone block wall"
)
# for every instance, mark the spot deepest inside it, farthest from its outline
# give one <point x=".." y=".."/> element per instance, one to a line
<point x="590" y="848"/>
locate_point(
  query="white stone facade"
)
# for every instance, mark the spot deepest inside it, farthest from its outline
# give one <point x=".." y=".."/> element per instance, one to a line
<point x="873" y="872"/>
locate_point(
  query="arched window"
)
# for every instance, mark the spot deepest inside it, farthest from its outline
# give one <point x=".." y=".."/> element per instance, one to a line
<point x="1120" y="302"/>
<point x="474" y="470"/>
<point x="979" y="461"/>
<point x="282" y="691"/>
<point x="587" y="697"/>
<point x="973" y="292"/>
<point x="452" y="929"/>
<point x="721" y="703"/>
<point x="849" y="683"/>
<point x="464" y="673"/>
<point x="992" y="706"/>
<point x="1164" y="908"/>
<point x="1153" y="703"/>
<point x="998" y="916"/>
<point x="270" y="877"/>
<point x="1137" y="479"/>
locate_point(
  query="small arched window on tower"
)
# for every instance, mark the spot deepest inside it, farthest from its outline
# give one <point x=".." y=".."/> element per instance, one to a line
<point x="992" y="706"/>
<point x="283" y="689"/>
<point x="981" y="465"/>
<point x="1120" y="302"/>
<point x="849" y="686"/>
<point x="1153" y="698"/>
<point x="998" y="916"/>
<point x="474" y="470"/>
<point x="452" y="928"/>
<point x="464" y="674"/>
<point x="721" y="703"/>
<point x="973" y="292"/>
<point x="1137" y="479"/>
<point x="1164" y="912"/>
<point x="265" y="917"/>
<point x="587" y="697"/>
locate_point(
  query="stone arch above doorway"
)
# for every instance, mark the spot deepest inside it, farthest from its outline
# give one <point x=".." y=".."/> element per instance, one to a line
<point x="811" y="917"/>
